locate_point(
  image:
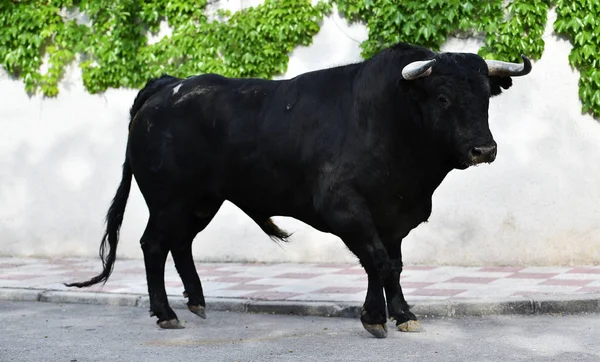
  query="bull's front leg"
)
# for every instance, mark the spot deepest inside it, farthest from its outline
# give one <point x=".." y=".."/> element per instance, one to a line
<point x="350" y="219"/>
<point x="398" y="308"/>
<point x="373" y="313"/>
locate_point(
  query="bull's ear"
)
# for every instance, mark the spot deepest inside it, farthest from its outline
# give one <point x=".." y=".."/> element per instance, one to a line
<point x="497" y="83"/>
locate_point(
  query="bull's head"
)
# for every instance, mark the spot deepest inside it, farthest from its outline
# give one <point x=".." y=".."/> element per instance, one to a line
<point x="454" y="91"/>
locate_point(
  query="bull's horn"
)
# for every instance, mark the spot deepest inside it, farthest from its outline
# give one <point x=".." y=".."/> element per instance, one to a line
<point x="417" y="69"/>
<point x="506" y="69"/>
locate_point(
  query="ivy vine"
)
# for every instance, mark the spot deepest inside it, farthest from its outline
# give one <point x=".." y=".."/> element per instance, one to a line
<point x="113" y="48"/>
<point x="427" y="23"/>
<point x="508" y="29"/>
<point x="580" y="20"/>
<point x="520" y="33"/>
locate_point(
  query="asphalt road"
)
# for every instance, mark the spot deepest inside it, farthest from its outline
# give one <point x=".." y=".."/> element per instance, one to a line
<point x="34" y="331"/>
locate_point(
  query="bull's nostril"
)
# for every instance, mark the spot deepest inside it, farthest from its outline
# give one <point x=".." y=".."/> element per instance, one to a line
<point x="483" y="154"/>
<point x="476" y="151"/>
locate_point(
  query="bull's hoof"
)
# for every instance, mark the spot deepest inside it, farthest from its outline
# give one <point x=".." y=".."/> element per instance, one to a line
<point x="410" y="326"/>
<point x="171" y="324"/>
<point x="197" y="310"/>
<point x="378" y="330"/>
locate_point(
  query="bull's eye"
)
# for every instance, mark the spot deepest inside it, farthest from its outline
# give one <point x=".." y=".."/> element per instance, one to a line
<point x="443" y="101"/>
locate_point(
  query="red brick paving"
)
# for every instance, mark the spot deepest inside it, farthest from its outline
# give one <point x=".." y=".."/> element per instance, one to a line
<point x="17" y="276"/>
<point x="270" y="295"/>
<point x="418" y="267"/>
<point x="250" y="287"/>
<point x="566" y="282"/>
<point x="234" y="279"/>
<point x="501" y="269"/>
<point x="339" y="290"/>
<point x="436" y="292"/>
<point x="531" y="276"/>
<point x="581" y="270"/>
<point x="474" y="280"/>
<point x="417" y="285"/>
<point x="296" y="275"/>
<point x="351" y="272"/>
<point x="173" y="284"/>
<point x="302" y="280"/>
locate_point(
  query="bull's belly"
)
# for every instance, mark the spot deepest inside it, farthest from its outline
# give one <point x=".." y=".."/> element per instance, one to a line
<point x="267" y="201"/>
<point x="261" y="200"/>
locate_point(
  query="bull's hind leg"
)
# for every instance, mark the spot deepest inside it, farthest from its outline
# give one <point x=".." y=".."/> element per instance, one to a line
<point x="184" y="261"/>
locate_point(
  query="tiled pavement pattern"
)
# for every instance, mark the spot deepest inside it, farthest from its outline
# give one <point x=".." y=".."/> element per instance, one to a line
<point x="308" y="282"/>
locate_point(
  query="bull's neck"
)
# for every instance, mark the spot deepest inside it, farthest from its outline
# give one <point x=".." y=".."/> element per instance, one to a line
<point x="393" y="125"/>
<point x="417" y="158"/>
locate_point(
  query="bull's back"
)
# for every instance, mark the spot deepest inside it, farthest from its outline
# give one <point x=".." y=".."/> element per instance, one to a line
<point x="254" y="142"/>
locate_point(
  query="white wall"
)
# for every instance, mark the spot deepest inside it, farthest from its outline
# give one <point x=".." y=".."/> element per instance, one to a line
<point x="539" y="203"/>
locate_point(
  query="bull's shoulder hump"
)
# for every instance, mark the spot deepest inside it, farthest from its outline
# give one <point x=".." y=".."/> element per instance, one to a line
<point x="206" y="80"/>
<point x="196" y="86"/>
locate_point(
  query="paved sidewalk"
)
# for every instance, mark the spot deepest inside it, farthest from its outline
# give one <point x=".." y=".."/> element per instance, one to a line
<point x="313" y="283"/>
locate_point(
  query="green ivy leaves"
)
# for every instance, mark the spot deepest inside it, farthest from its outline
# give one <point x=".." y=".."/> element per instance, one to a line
<point x="580" y="21"/>
<point x="510" y="30"/>
<point x="114" y="47"/>
<point x="255" y="42"/>
<point x="426" y="23"/>
<point x="27" y="31"/>
<point x="520" y="33"/>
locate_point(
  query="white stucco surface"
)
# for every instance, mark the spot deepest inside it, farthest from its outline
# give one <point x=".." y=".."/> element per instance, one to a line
<point x="538" y="203"/>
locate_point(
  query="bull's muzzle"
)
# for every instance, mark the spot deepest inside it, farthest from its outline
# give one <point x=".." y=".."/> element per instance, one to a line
<point x="481" y="154"/>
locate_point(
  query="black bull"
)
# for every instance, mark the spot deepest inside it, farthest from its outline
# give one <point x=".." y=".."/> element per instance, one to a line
<point x="356" y="151"/>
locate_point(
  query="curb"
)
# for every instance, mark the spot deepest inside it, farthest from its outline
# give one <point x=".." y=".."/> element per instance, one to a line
<point x="589" y="303"/>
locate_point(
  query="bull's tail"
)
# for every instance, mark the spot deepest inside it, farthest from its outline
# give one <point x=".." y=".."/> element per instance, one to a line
<point x="114" y="217"/>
